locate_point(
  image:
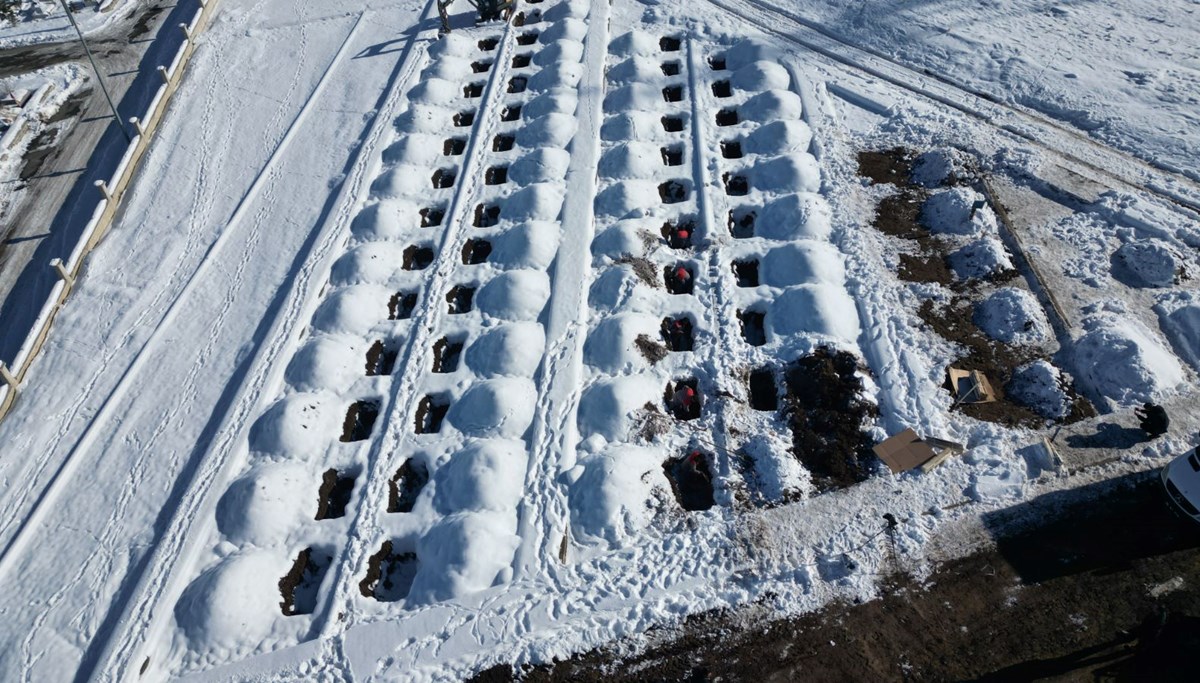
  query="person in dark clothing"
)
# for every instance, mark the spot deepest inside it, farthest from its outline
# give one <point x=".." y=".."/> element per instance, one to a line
<point x="678" y="332"/>
<point x="679" y="280"/>
<point x="680" y="236"/>
<point x="685" y="402"/>
<point x="1153" y="418"/>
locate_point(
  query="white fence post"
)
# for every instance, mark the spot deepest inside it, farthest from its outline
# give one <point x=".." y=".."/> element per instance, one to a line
<point x="162" y="71"/>
<point x="137" y="124"/>
<point x="103" y="186"/>
<point x="58" y="266"/>
<point x="187" y="31"/>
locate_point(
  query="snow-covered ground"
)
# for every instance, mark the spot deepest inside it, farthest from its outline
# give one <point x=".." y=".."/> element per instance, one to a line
<point x="372" y="378"/>
<point x="45" y="22"/>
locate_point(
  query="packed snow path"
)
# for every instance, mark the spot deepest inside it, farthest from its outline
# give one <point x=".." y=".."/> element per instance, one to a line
<point x="405" y="394"/>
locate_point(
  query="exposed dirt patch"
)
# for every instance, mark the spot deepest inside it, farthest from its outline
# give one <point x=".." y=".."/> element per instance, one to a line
<point x="334" y="494"/>
<point x="360" y="420"/>
<point x="651" y="350"/>
<point x="827" y="413"/>
<point x="644" y="269"/>
<point x="299" y="586"/>
<point x="381" y="359"/>
<point x="389" y="574"/>
<point x="892" y="166"/>
<point x="430" y="412"/>
<point x="406" y="485"/>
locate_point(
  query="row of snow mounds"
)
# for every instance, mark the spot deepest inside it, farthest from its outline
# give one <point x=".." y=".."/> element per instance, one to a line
<point x="467" y="515"/>
<point x="318" y="432"/>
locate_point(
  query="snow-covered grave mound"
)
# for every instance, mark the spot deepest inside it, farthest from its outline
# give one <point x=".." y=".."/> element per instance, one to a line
<point x="540" y="166"/>
<point x="551" y="130"/>
<point x="531" y="245"/>
<point x="793" y="172"/>
<point x="463" y="553"/>
<point x="386" y="220"/>
<point x="803" y="262"/>
<point x="796" y="216"/>
<point x="747" y="52"/>
<point x="486" y="475"/>
<point x="233" y="606"/>
<point x="516" y="295"/>
<point x="329" y="362"/>
<point x="495" y="407"/>
<point x="353" y="310"/>
<point x="631" y="161"/>
<point x="980" y="259"/>
<point x="823" y="310"/>
<point x="607" y="407"/>
<point x="772" y="105"/>
<point x="632" y="125"/>
<point x="552" y="77"/>
<point x="1146" y="263"/>
<point x="297" y="426"/>
<point x="266" y="504"/>
<point x="1039" y="385"/>
<point x="612" y="346"/>
<point x="1180" y="320"/>
<point x="1119" y="359"/>
<point x="635" y="44"/>
<point x="1013" y="316"/>
<point x="635" y="70"/>
<point x="415" y="150"/>
<point x="779" y="137"/>
<point x="555" y="101"/>
<point x="958" y="211"/>
<point x="370" y="263"/>
<point x="611" y="493"/>
<point x="759" y="76"/>
<point x="559" y="51"/>
<point x="512" y="350"/>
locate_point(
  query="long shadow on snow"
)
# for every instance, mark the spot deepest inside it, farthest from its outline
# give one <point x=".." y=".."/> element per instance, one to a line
<point x="1101" y="527"/>
<point x="129" y="584"/>
<point x="35" y="282"/>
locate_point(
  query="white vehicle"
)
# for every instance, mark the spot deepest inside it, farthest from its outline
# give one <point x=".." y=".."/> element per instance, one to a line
<point x="1181" y="478"/>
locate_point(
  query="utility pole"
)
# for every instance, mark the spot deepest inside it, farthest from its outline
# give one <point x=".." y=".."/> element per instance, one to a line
<point x="99" y="78"/>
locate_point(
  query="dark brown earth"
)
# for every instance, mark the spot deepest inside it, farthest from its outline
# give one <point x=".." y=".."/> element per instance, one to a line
<point x="1099" y="584"/>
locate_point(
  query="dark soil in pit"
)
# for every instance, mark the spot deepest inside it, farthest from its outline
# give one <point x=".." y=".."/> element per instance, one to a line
<point x="691" y="481"/>
<point x="406" y="485"/>
<point x="381" y="359"/>
<point x="360" y="420"/>
<point x="389" y="574"/>
<point x="827" y="414"/>
<point x="446" y="354"/>
<point x="887" y="166"/>
<point x="980" y="618"/>
<point x="764" y="394"/>
<point x="401" y="305"/>
<point x="997" y="361"/>
<point x="299" y="586"/>
<point x="430" y="413"/>
<point x="334" y="495"/>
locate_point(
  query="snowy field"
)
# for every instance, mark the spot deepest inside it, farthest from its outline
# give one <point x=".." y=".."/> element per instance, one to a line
<point x="412" y="355"/>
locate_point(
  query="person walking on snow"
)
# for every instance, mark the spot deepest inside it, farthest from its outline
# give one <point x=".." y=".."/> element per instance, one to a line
<point x="1153" y="418"/>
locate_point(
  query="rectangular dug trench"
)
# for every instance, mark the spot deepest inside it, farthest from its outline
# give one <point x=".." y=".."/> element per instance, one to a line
<point x="691" y="481"/>
<point x="753" y="327"/>
<point x="459" y="300"/>
<point x="360" y="420"/>
<point x="406" y="486"/>
<point x="381" y="359"/>
<point x="446" y="354"/>
<point x="389" y="574"/>
<point x="300" y="585"/>
<point x="764" y="394"/>
<point x="334" y="494"/>
<point x="401" y="305"/>
<point x="431" y="411"/>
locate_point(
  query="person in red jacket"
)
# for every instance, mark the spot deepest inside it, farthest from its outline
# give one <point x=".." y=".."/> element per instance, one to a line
<point x="679" y="280"/>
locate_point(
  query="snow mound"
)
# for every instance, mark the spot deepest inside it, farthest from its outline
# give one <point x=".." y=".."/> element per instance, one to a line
<point x="634" y="97"/>
<point x="537" y="202"/>
<point x="570" y="9"/>
<point x="772" y="105"/>
<point x="776" y="471"/>
<point x="937" y="167"/>
<point x="823" y="310"/>
<point x="627" y="238"/>
<point x="421" y="118"/>
<point x="234" y="604"/>
<point x="515" y="295"/>
<point x="452" y="45"/>
<point x="454" y="69"/>
<point x="796" y="216"/>
<point x="260" y="508"/>
<point x="748" y="52"/>
<point x="1121" y="360"/>
<point x="632" y="160"/>
<point x="607" y="407"/>
<point x="559" y="52"/>
<point x="485" y="475"/>
<point x="402" y="180"/>
<point x="415" y="150"/>
<point x="495" y="407"/>
<point x="779" y="137"/>
<point x="567" y="29"/>
<point x="353" y="310"/>
<point x="758" y="76"/>
<point x="551" y="130"/>
<point x="632" y="125"/>
<point x="1182" y="327"/>
<point x="513" y="350"/>
<point x="385" y="220"/>
<point x="462" y="554"/>
<point x="561" y="75"/>
<point x="628" y="199"/>
<point x="620" y="288"/>
<point x="529" y="245"/>
<point x="610" y="499"/>
<point x="542" y="165"/>
<point x="980" y="259"/>
<point x="1039" y="385"/>
<point x="792" y="173"/>
<point x="1150" y="263"/>
<point x="610" y="346"/>
<point x="297" y="426"/>
<point x="326" y="363"/>
<point x="371" y="263"/>
<point x="634" y="44"/>
<point x="434" y="91"/>
<point x="1013" y="316"/>
<point x="555" y="101"/>
<point x="635" y="70"/>
<point x="804" y="262"/>
<point x="953" y="211"/>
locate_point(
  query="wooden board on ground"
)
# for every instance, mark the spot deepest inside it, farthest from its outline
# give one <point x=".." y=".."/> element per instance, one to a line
<point x="904" y="451"/>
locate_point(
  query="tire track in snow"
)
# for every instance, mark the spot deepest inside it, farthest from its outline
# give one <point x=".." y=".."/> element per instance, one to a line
<point x="1148" y="175"/>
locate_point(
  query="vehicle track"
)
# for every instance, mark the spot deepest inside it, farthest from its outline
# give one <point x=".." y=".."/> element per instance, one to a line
<point x="1036" y="129"/>
<point x="337" y="612"/>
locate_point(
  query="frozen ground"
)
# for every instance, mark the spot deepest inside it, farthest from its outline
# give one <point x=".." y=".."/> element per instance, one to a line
<point x="370" y="381"/>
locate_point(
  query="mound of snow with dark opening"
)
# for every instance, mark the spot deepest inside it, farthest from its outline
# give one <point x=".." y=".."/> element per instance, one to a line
<point x="980" y="259"/>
